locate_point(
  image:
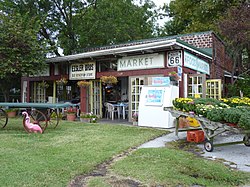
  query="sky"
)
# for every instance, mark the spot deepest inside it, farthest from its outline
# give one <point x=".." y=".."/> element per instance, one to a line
<point x="160" y="3"/>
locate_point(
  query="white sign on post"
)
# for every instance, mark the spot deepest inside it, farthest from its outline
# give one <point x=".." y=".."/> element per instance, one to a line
<point x="175" y="58"/>
<point x="179" y="72"/>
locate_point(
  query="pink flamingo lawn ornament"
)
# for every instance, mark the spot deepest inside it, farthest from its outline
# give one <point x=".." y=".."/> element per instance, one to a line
<point x="30" y="127"/>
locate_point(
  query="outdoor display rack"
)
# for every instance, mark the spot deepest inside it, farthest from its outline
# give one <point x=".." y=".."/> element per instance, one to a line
<point x="211" y="129"/>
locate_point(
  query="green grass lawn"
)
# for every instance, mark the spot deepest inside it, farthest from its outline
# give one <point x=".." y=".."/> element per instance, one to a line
<point x="171" y="167"/>
<point x="57" y="156"/>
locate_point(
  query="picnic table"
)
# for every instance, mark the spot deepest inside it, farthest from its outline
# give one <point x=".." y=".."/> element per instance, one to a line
<point x="210" y="128"/>
<point x="43" y="114"/>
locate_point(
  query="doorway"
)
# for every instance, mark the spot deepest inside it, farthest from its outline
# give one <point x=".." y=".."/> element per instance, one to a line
<point x="136" y="84"/>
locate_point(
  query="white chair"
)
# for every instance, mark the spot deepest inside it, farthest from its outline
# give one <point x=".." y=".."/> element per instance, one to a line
<point x="112" y="110"/>
<point x="105" y="109"/>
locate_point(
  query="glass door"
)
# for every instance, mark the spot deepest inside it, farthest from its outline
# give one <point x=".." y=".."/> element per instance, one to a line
<point x="96" y="98"/>
<point x="136" y="84"/>
<point x="39" y="93"/>
<point x="197" y="85"/>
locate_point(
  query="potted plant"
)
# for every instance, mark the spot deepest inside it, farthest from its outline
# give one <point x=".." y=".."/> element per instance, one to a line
<point x="244" y="121"/>
<point x="71" y="114"/>
<point x="173" y="76"/>
<point x="62" y="81"/>
<point x="182" y="103"/>
<point x="216" y="115"/>
<point x="11" y="112"/>
<point x="109" y="79"/>
<point x="88" y="117"/>
<point x="232" y="115"/>
<point x="43" y="84"/>
<point x="83" y="83"/>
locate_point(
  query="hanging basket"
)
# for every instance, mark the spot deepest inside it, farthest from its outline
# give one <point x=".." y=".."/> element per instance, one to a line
<point x="109" y="79"/>
<point x="83" y="83"/>
<point x="62" y="81"/>
<point x="43" y="84"/>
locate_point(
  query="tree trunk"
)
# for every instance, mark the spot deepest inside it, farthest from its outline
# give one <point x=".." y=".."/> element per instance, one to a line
<point x="6" y="95"/>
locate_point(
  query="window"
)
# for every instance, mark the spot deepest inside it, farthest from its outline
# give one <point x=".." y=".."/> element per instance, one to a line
<point x="213" y="88"/>
<point x="107" y="66"/>
<point x="196" y="85"/>
<point x="40" y="94"/>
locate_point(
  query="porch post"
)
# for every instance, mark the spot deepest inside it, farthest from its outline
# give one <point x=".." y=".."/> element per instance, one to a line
<point x="83" y="104"/>
<point x="54" y="92"/>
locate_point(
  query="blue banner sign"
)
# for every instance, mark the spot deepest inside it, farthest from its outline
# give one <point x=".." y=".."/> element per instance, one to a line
<point x="160" y="81"/>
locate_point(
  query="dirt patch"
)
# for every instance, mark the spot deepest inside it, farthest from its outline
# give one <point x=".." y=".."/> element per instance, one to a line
<point x="101" y="170"/>
<point x="123" y="182"/>
<point x="185" y="146"/>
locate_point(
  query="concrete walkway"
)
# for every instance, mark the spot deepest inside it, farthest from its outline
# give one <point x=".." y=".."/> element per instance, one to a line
<point x="236" y="156"/>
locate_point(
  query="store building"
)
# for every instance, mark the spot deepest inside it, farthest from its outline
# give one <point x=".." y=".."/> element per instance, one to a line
<point x="196" y="57"/>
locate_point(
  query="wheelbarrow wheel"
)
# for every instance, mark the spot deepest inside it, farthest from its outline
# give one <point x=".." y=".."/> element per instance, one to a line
<point x="246" y="140"/>
<point x="38" y="117"/>
<point x="3" y="118"/>
<point x="53" y="118"/>
<point x="208" y="145"/>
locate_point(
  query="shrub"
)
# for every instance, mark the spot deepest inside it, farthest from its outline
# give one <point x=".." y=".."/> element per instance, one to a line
<point x="232" y="115"/>
<point x="182" y="103"/>
<point x="215" y="115"/>
<point x="244" y="121"/>
<point x="237" y="101"/>
<point x="11" y="110"/>
<point x="202" y="109"/>
<point x="207" y="101"/>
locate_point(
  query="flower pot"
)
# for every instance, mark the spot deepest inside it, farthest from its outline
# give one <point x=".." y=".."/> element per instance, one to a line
<point x="71" y="117"/>
<point x="11" y="114"/>
<point x="172" y="78"/>
<point x="232" y="125"/>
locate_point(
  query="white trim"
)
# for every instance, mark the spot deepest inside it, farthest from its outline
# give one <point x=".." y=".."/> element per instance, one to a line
<point x="189" y="48"/>
<point x="235" y="77"/>
<point x="185" y="83"/>
<point x="115" y="51"/>
<point x="126" y="49"/>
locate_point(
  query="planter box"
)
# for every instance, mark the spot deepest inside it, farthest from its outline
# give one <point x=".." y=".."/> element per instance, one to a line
<point x="135" y="123"/>
<point x="85" y="120"/>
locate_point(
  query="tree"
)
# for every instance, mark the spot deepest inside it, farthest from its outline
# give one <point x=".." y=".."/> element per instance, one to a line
<point x="115" y="21"/>
<point x="195" y="15"/>
<point x="235" y="27"/>
<point x="56" y="17"/>
<point x="74" y="24"/>
<point x="20" y="51"/>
